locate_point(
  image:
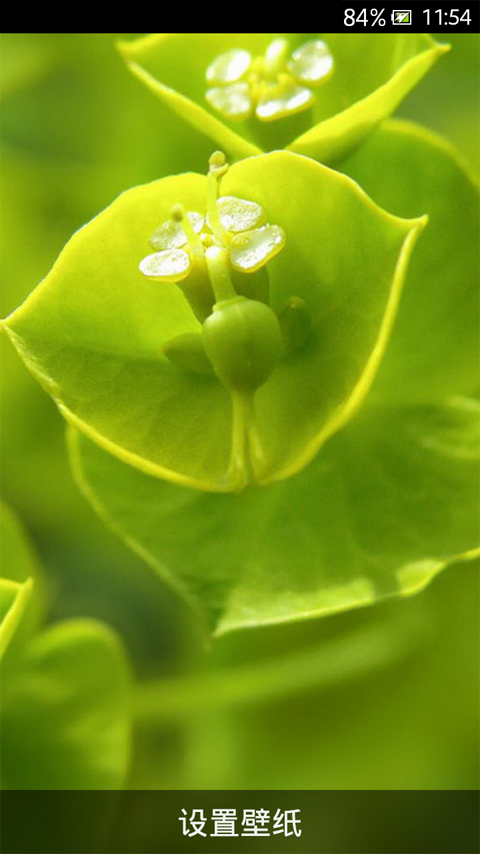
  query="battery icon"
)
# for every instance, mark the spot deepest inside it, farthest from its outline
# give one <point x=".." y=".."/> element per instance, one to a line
<point x="402" y="17"/>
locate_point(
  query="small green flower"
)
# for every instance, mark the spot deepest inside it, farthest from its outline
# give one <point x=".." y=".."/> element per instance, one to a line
<point x="271" y="86"/>
<point x="250" y="334"/>
<point x="241" y="338"/>
<point x="236" y="225"/>
<point x="316" y="94"/>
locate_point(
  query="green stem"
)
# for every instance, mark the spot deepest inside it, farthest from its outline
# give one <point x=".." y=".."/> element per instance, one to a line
<point x="246" y="455"/>
<point x="238" y="470"/>
<point x="217" y="264"/>
<point x="320" y="666"/>
<point x="179" y="214"/>
<point x="213" y="215"/>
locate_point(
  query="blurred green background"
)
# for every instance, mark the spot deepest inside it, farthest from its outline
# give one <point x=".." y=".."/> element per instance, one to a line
<point x="381" y="698"/>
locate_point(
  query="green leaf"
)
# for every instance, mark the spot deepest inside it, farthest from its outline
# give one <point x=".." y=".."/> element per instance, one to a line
<point x="389" y="502"/>
<point x="21" y="586"/>
<point x="395" y="64"/>
<point x="64" y="718"/>
<point x="424" y="657"/>
<point x="64" y="695"/>
<point x="14" y="601"/>
<point x="433" y="350"/>
<point x="93" y="332"/>
<point x="372" y="74"/>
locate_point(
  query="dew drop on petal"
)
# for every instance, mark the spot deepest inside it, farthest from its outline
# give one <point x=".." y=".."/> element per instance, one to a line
<point x="171" y="265"/>
<point x="283" y="100"/>
<point x="239" y="214"/>
<point x="311" y="62"/>
<point x="232" y="101"/>
<point x="170" y="235"/>
<point x="251" y="250"/>
<point x="229" y="67"/>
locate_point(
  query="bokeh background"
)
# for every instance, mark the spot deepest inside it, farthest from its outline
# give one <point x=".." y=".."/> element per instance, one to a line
<point x="383" y="698"/>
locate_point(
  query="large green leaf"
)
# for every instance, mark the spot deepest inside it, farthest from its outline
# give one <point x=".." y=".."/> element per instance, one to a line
<point x="64" y="712"/>
<point x="314" y="705"/>
<point x="372" y="73"/>
<point x="92" y="332"/>
<point x="413" y="726"/>
<point x="257" y="674"/>
<point x="433" y="350"/>
<point x="387" y="504"/>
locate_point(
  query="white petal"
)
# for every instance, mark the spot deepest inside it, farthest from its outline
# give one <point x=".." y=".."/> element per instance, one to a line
<point x="171" y="265"/>
<point x="311" y="63"/>
<point x="283" y="100"/>
<point x="229" y="67"/>
<point x="170" y="235"/>
<point x="233" y="101"/>
<point x="239" y="214"/>
<point x="251" y="250"/>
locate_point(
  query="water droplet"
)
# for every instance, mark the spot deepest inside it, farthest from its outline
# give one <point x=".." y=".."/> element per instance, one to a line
<point x="171" y="265"/>
<point x="252" y="249"/>
<point x="311" y="63"/>
<point x="283" y="100"/>
<point x="232" y="101"/>
<point x="170" y="235"/>
<point x="229" y="67"/>
<point x="239" y="214"/>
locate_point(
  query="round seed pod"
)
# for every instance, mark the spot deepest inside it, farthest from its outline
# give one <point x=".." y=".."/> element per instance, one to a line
<point x="243" y="340"/>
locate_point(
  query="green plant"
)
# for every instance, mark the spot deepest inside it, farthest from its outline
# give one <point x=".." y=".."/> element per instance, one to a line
<point x="275" y="406"/>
